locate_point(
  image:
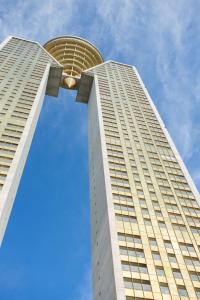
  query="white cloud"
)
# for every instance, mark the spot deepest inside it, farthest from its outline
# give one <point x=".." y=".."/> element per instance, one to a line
<point x="84" y="290"/>
<point x="159" y="37"/>
<point x="153" y="36"/>
<point x="36" y="19"/>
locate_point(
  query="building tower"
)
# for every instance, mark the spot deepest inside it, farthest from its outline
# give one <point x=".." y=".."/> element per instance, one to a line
<point x="27" y="71"/>
<point x="145" y="209"/>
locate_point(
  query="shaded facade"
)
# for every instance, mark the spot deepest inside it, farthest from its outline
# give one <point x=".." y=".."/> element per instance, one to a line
<point x="145" y="212"/>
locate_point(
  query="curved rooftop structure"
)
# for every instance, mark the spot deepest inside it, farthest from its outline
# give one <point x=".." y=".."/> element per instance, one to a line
<point x="74" y="54"/>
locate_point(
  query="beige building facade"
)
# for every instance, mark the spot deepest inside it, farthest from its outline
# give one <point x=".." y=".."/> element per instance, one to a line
<point x="145" y="208"/>
<point x="27" y="72"/>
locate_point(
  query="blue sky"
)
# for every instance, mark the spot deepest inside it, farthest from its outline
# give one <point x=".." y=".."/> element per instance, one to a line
<point x="46" y="250"/>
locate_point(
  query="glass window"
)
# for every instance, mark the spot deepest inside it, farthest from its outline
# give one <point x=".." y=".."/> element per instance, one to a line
<point x="139" y="253"/>
<point x="195" y="276"/>
<point x="128" y="283"/>
<point x="146" y="286"/>
<point x="143" y="269"/>
<point x="121" y="237"/>
<point x="192" y="261"/>
<point x="172" y="258"/>
<point x="152" y="242"/>
<point x="145" y="212"/>
<point x="182" y="291"/>
<point x="158" y="213"/>
<point x="162" y="224"/>
<point x="137" y="285"/>
<point x="160" y="271"/>
<point x="123" y="251"/>
<point x="137" y="240"/>
<point x="125" y="266"/>
<point x="156" y="255"/>
<point x="130" y="239"/>
<point x="177" y="274"/>
<point x="168" y="244"/>
<point x="187" y="247"/>
<point x="164" y="288"/>
<point x="134" y="268"/>
<point x="147" y="222"/>
<point x="197" y="293"/>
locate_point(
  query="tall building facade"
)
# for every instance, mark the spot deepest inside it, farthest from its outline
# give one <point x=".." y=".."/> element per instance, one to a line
<point x="145" y="209"/>
<point x="27" y="71"/>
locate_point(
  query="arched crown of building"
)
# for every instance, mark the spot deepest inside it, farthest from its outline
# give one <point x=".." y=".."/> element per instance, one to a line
<point x="74" y="54"/>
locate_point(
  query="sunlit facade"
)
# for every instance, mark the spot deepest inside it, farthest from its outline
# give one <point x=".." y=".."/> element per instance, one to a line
<point x="27" y="72"/>
<point x="145" y="208"/>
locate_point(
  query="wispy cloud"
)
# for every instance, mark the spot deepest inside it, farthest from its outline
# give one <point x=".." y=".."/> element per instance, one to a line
<point x="84" y="289"/>
<point x="36" y="19"/>
<point x="161" y="38"/>
<point x="156" y="36"/>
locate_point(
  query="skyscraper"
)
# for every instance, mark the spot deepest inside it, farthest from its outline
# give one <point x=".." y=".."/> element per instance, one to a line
<point x="144" y="206"/>
<point x="27" y="71"/>
<point x="145" y="209"/>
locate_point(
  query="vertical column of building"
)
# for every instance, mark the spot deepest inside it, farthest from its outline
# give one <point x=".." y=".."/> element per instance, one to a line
<point x="156" y="209"/>
<point x="107" y="276"/>
<point x="175" y="194"/>
<point x="24" y="72"/>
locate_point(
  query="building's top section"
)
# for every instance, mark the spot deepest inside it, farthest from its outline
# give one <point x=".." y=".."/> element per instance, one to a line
<point x="15" y="48"/>
<point x="74" y="54"/>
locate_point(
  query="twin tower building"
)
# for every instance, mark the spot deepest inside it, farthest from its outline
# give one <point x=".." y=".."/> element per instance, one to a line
<point x="145" y="209"/>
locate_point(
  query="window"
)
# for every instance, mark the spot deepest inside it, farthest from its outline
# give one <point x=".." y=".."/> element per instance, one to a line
<point x="179" y="227"/>
<point x="164" y="288"/>
<point x="124" y="207"/>
<point x="129" y="238"/>
<point x="152" y="242"/>
<point x="124" y="218"/>
<point x="162" y="224"/>
<point x="137" y="284"/>
<point x="158" y="214"/>
<point x="132" y="252"/>
<point x="147" y="222"/>
<point x="177" y="274"/>
<point x="145" y="212"/>
<point x="191" y="261"/>
<point x="172" y="258"/>
<point x="156" y="255"/>
<point x="195" y="229"/>
<point x="182" y="291"/>
<point x="134" y="267"/>
<point x="160" y="271"/>
<point x="195" y="276"/>
<point x="168" y="244"/>
<point x="125" y="266"/>
<point x="128" y="283"/>
<point x="187" y="247"/>
<point x="197" y="293"/>
<point x="146" y="286"/>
